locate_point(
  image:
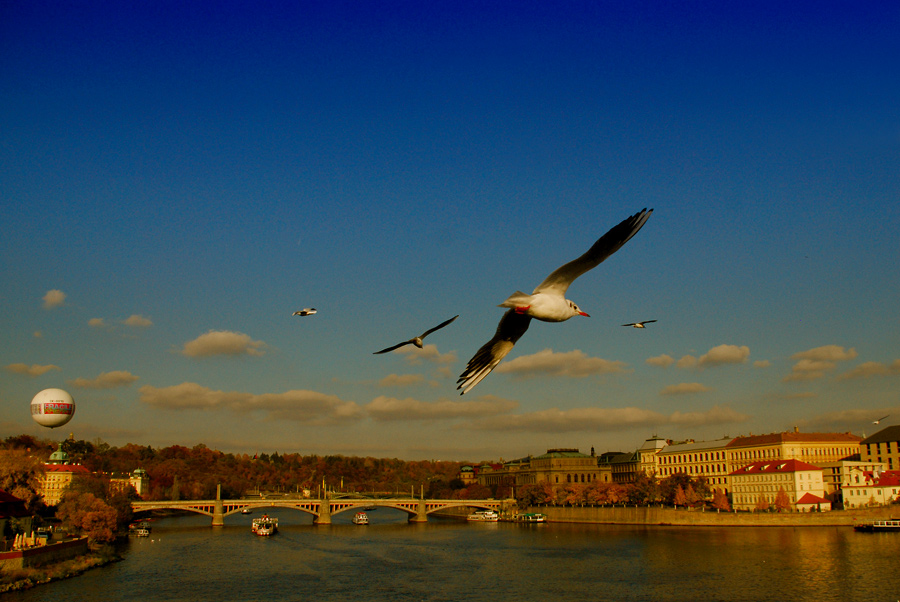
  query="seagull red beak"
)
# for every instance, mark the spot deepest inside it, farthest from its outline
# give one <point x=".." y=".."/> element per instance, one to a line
<point x="581" y="313"/>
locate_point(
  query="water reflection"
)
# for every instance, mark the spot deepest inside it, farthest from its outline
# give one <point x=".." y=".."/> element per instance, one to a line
<point x="186" y="559"/>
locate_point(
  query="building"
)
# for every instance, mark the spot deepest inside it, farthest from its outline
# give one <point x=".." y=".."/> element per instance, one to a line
<point x="801" y="481"/>
<point x="837" y="475"/>
<point x="648" y="455"/>
<point x="137" y="479"/>
<point x="696" y="459"/>
<point x="557" y="466"/>
<point x="867" y="488"/>
<point x="57" y="476"/>
<point x="883" y="447"/>
<point x="813" y="448"/>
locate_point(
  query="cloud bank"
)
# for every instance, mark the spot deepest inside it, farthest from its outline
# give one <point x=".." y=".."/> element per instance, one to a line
<point x="572" y="363"/>
<point x="223" y="342"/>
<point x="106" y="380"/>
<point x="32" y="370"/>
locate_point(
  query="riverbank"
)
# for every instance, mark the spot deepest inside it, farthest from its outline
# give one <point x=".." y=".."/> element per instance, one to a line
<point x="29" y="577"/>
<point x="664" y="516"/>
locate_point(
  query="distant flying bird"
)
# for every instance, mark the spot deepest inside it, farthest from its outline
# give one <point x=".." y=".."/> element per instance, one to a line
<point x="639" y="324"/>
<point x="305" y="312"/>
<point x="547" y="302"/>
<point x="879" y="420"/>
<point x="417" y="341"/>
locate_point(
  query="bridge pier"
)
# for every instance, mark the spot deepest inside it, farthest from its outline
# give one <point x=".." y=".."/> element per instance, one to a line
<point x="324" y="517"/>
<point x="421" y="515"/>
<point x="218" y="519"/>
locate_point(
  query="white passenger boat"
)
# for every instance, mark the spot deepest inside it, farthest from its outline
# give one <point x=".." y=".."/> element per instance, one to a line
<point x="265" y="525"/>
<point x="484" y="516"/>
<point x="879" y="525"/>
<point x="361" y="518"/>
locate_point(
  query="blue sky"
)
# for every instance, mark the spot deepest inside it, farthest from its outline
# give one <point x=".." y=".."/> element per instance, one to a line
<point x="177" y="180"/>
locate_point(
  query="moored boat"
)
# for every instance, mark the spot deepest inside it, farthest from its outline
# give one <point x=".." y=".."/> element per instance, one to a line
<point x="484" y="516"/>
<point x="140" y="532"/>
<point x="246" y="511"/>
<point x="264" y="525"/>
<point x="529" y="517"/>
<point x="361" y="518"/>
<point x="892" y="524"/>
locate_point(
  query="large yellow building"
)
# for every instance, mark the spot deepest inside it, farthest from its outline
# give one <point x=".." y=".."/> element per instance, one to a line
<point x="801" y="481"/>
<point x="882" y="447"/>
<point x="57" y="476"/>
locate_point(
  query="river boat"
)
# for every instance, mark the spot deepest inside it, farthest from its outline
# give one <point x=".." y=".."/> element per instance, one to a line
<point x="140" y="532"/>
<point x="361" y="518"/>
<point x="264" y="526"/>
<point x="529" y="517"/>
<point x="892" y="524"/>
<point x="246" y="511"/>
<point x="484" y="516"/>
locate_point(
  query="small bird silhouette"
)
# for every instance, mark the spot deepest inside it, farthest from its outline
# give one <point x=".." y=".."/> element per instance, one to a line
<point x="305" y="312"/>
<point x="639" y="324"/>
<point x="879" y="420"/>
<point x="417" y="341"/>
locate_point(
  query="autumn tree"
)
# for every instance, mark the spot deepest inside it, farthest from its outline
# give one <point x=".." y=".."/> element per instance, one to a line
<point x="89" y="515"/>
<point x="782" y="501"/>
<point x="680" y="499"/>
<point x="20" y="475"/>
<point x="720" y="501"/>
<point x="761" y="503"/>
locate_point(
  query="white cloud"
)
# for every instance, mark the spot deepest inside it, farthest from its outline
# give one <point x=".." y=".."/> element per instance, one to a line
<point x="762" y="364"/>
<point x="401" y="380"/>
<point x="725" y="354"/>
<point x="297" y="405"/>
<point x="390" y="408"/>
<point x="686" y="362"/>
<point x="54" y="298"/>
<point x="96" y="323"/>
<point x="685" y="389"/>
<point x="827" y="353"/>
<point x="138" y="321"/>
<point x="222" y="342"/>
<point x="661" y="361"/>
<point x="572" y="363"/>
<point x="870" y="369"/>
<point x="32" y="370"/>
<point x="813" y="363"/>
<point x="428" y="353"/>
<point x="106" y="380"/>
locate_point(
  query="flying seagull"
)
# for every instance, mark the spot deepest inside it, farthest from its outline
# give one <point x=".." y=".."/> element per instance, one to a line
<point x="639" y="324"/>
<point x="879" y="420"/>
<point x="305" y="312"/>
<point x="547" y="302"/>
<point x="417" y="341"/>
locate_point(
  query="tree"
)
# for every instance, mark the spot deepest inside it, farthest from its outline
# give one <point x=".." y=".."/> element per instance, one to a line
<point x="88" y="514"/>
<point x="680" y="499"/>
<point x="20" y="475"/>
<point x="643" y="490"/>
<point x="720" y="501"/>
<point x="762" y="503"/>
<point x="782" y="501"/>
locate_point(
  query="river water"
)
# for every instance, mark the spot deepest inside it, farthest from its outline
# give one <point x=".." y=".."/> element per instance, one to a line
<point x="185" y="559"/>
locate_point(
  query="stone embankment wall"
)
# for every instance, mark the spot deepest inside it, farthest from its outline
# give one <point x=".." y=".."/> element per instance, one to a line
<point x="40" y="555"/>
<point x="656" y="515"/>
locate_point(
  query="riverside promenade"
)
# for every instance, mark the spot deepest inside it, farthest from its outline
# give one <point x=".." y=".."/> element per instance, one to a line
<point x="662" y="516"/>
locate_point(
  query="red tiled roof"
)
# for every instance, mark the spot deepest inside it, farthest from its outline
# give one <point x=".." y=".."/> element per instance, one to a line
<point x="773" y="466"/>
<point x="792" y="437"/>
<point x="812" y="499"/>
<point x="66" y="468"/>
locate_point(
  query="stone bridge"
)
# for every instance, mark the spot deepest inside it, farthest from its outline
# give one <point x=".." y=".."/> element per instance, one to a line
<point x="322" y="509"/>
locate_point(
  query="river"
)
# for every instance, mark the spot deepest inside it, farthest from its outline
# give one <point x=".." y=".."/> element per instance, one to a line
<point x="185" y="559"/>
